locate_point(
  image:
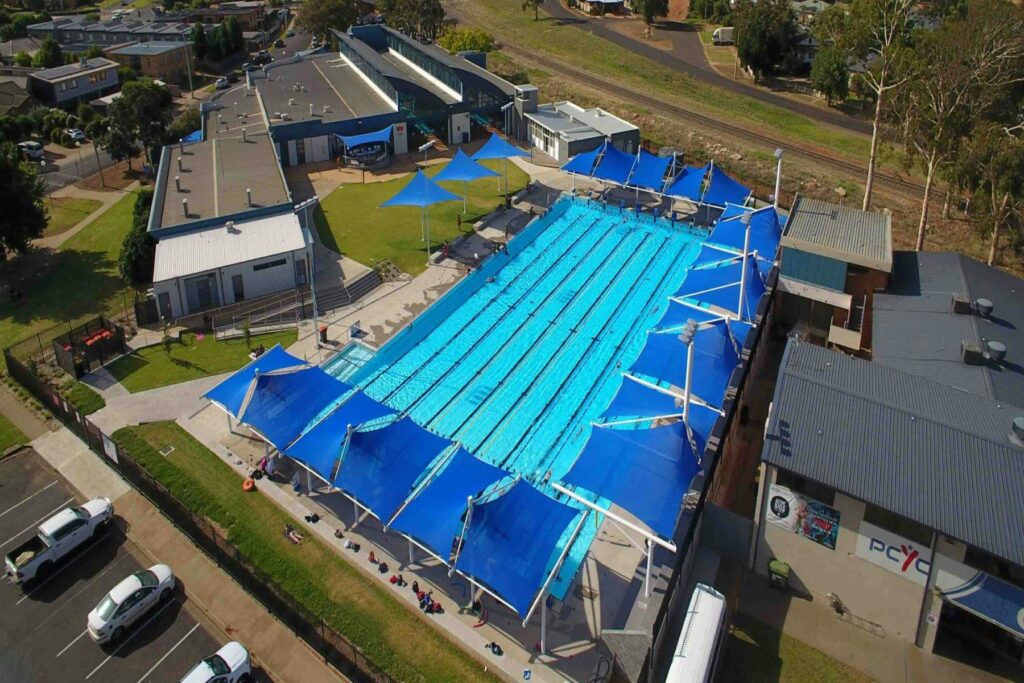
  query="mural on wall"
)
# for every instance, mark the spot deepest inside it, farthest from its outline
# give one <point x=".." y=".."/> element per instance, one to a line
<point x="894" y="553"/>
<point x="985" y="595"/>
<point x="803" y="516"/>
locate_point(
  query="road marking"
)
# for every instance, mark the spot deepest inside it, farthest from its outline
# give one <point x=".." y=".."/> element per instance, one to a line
<point x="77" y="593"/>
<point x="168" y="653"/>
<point x="125" y="641"/>
<point x="29" y="498"/>
<point x="36" y="523"/>
<point x="68" y="646"/>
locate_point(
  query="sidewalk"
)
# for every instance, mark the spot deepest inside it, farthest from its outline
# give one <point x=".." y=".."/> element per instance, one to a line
<point x="281" y="653"/>
<point x="106" y="199"/>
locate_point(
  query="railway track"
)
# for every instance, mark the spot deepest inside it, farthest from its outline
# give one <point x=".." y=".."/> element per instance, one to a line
<point x="908" y="188"/>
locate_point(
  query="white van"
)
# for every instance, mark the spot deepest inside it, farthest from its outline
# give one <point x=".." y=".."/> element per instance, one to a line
<point x="702" y="638"/>
<point x="723" y="36"/>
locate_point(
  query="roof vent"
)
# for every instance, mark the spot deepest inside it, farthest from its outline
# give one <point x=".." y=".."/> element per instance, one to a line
<point x="1018" y="429"/>
<point x="285" y="116"/>
<point x="184" y="206"/>
<point x="970" y="352"/>
<point x="961" y="304"/>
<point x="984" y="307"/>
<point x="996" y="351"/>
<point x="230" y="226"/>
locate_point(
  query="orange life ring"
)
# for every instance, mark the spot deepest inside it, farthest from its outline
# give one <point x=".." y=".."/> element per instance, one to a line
<point x="248" y="484"/>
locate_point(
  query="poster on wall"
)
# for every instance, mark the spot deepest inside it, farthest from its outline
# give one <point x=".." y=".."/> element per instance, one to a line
<point x="984" y="595"/>
<point x="894" y="553"/>
<point x="803" y="516"/>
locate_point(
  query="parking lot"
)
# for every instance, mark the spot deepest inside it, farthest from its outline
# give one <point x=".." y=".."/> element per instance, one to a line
<point x="43" y="633"/>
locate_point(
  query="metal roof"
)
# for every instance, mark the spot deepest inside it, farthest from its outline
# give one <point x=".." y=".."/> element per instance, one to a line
<point x="916" y="330"/>
<point x="77" y="69"/>
<point x="155" y="47"/>
<point x="595" y="117"/>
<point x="921" y="449"/>
<point x="205" y="250"/>
<point x="323" y="80"/>
<point x="859" y="237"/>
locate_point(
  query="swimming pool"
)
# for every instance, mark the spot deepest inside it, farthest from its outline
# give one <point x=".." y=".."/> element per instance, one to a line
<point x="517" y="359"/>
<point x="349" y="360"/>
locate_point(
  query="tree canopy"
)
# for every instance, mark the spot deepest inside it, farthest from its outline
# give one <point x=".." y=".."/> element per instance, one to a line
<point x="764" y="33"/>
<point x="23" y="218"/>
<point x="49" y="54"/>
<point x="830" y="75"/>
<point x="318" y="17"/>
<point x="138" y="250"/>
<point x="139" y="116"/>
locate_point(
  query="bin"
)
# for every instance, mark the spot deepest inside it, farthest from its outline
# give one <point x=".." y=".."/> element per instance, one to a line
<point x="323" y="334"/>
<point x="778" y="575"/>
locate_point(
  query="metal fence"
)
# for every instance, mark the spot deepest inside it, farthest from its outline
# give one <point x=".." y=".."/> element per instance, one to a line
<point x="335" y="648"/>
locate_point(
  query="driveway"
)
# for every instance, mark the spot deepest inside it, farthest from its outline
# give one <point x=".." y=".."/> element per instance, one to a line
<point x="687" y="56"/>
<point x="63" y="166"/>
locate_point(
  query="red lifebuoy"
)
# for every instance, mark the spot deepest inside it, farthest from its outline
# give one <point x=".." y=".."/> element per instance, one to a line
<point x="248" y="484"/>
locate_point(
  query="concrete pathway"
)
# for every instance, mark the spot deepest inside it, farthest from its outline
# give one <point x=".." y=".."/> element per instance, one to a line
<point x="21" y="415"/>
<point x="106" y="199"/>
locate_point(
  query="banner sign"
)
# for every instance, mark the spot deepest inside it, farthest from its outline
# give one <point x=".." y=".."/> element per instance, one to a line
<point x="803" y="516"/>
<point x="986" y="596"/>
<point x="894" y="553"/>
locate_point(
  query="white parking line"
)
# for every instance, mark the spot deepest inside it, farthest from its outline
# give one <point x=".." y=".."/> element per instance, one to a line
<point x="68" y="646"/>
<point x="34" y="524"/>
<point x="28" y="499"/>
<point x="167" y="654"/>
<point x="77" y="593"/>
<point x="125" y="641"/>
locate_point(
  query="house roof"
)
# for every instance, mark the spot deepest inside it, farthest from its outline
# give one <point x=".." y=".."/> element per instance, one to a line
<point x="87" y="66"/>
<point x="916" y="330"/>
<point x="922" y="449"/>
<point x="573" y="122"/>
<point x="13" y="95"/>
<point x="215" y="247"/>
<point x="862" y="238"/>
<point x="155" y="47"/>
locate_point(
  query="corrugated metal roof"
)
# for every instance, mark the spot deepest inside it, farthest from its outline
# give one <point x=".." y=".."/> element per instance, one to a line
<point x="205" y="250"/>
<point x="76" y="69"/>
<point x="151" y="48"/>
<point x="863" y="238"/>
<point x="595" y="117"/>
<point x="814" y="269"/>
<point x="916" y="330"/>
<point x="919" y="448"/>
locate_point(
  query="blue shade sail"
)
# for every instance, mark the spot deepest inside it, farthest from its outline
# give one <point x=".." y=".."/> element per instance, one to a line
<point x="687" y="184"/>
<point x="583" y="163"/>
<point x="715" y="357"/>
<point x="463" y="169"/>
<point x="720" y="286"/>
<point x="194" y="136"/>
<point x="644" y="471"/>
<point x="421" y="191"/>
<point x="634" y="400"/>
<point x="434" y="517"/>
<point x="377" y="136"/>
<point x="724" y="190"/>
<point x="381" y="466"/>
<point x="677" y="314"/>
<point x="649" y="173"/>
<point x="511" y="541"/>
<point x="320" y="447"/>
<point x="230" y="394"/>
<point x="765" y="230"/>
<point x="615" y="166"/>
<point x="281" y="404"/>
<point x="498" y="147"/>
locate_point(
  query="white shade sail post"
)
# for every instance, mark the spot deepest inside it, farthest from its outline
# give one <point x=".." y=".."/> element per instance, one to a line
<point x="647" y="575"/>
<point x="355" y="512"/>
<point x="778" y="175"/>
<point x="668" y="545"/>
<point x="309" y="482"/>
<point x="472" y="593"/>
<point x="230" y="429"/>
<point x="543" y="624"/>
<point x="745" y="219"/>
<point x="687" y="335"/>
<point x="412" y="560"/>
<point x="462" y="534"/>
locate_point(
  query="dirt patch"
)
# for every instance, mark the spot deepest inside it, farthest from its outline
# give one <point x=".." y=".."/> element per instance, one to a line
<point x="634" y="28"/>
<point x="678" y="9"/>
<point x="114" y="178"/>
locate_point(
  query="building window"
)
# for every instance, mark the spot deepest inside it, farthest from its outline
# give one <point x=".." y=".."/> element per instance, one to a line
<point x="63" y="86"/>
<point x="899" y="525"/>
<point x="806" y="487"/>
<point x="977" y="558"/>
<point x="269" y="264"/>
<point x="72" y="84"/>
<point x="103" y="75"/>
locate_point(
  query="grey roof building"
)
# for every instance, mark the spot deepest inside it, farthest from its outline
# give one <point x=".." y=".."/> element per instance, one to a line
<point x="942" y="457"/>
<point x="563" y="129"/>
<point x="841" y="233"/>
<point x="83" y="80"/>
<point x="917" y="329"/>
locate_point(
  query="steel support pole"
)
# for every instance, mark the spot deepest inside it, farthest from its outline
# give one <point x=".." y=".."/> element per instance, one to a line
<point x="647" y="577"/>
<point x="544" y="625"/>
<point x="412" y="560"/>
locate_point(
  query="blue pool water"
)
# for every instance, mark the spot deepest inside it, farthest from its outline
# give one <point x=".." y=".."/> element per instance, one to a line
<point x="349" y="360"/>
<point x="516" y="369"/>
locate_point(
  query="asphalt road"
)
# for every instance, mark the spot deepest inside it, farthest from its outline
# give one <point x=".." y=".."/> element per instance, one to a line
<point x="71" y="165"/>
<point x="688" y="57"/>
<point x="43" y="628"/>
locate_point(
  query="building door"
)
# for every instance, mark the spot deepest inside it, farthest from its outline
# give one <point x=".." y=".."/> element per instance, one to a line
<point x="300" y="272"/>
<point x="165" y="306"/>
<point x="201" y="292"/>
<point x="300" y="151"/>
<point x="239" y="287"/>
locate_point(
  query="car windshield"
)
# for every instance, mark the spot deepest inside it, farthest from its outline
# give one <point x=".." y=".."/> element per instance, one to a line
<point x="80" y="513"/>
<point x="106" y="608"/>
<point x="217" y="665"/>
<point x="147" y="578"/>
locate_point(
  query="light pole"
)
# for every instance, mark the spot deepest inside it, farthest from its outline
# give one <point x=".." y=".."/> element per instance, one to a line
<point x="424" y="148"/>
<point x="424" y="230"/>
<point x="507" y="109"/>
<point x="304" y="208"/>
<point x="778" y="175"/>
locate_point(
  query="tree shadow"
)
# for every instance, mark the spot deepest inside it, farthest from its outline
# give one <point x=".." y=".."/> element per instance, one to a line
<point x="752" y="652"/>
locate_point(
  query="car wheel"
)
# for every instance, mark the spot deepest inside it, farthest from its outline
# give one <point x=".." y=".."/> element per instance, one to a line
<point x="165" y="596"/>
<point x="44" y="571"/>
<point x="245" y="678"/>
<point x="115" y="637"/>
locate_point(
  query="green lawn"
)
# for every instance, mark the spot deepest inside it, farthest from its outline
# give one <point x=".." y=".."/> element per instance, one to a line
<point x="586" y="51"/>
<point x="353" y="223"/>
<point x="66" y="212"/>
<point x="10" y="435"/>
<point x="152" y="367"/>
<point x="82" y="397"/>
<point x="758" y="653"/>
<point x="399" y="641"/>
<point x="115" y="4"/>
<point x="81" y="280"/>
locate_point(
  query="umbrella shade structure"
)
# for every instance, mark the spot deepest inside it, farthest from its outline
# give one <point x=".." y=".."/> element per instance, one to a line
<point x="421" y="191"/>
<point x="382" y="135"/>
<point x="583" y="163"/>
<point x="765" y="230"/>
<point x="718" y="284"/>
<point x="498" y="147"/>
<point x="649" y="172"/>
<point x="615" y="166"/>
<point x="230" y="394"/>
<point x="723" y="190"/>
<point x="688" y="184"/>
<point x="464" y="170"/>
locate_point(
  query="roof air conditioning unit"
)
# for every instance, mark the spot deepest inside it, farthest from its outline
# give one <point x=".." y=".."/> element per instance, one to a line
<point x="970" y="353"/>
<point x="961" y="304"/>
<point x="984" y="307"/>
<point x="284" y="116"/>
<point x="996" y="351"/>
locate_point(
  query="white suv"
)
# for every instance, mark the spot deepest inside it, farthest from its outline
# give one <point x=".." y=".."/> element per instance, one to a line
<point x="230" y="664"/>
<point x="128" y="601"/>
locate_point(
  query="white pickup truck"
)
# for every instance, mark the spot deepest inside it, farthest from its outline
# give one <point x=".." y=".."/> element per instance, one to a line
<point x="57" y="536"/>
